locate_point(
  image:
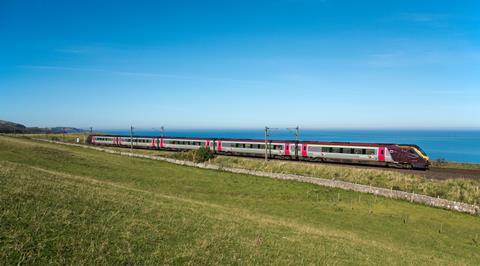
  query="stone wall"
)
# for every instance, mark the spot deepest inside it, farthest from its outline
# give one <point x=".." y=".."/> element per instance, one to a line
<point x="394" y="194"/>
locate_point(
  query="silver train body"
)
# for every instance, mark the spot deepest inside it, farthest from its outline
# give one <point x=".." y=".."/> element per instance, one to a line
<point x="393" y="155"/>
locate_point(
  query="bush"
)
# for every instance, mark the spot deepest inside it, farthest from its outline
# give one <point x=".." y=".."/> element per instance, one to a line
<point x="440" y="162"/>
<point x="203" y="154"/>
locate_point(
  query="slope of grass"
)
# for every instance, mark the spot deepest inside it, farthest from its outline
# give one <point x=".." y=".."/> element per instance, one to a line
<point x="463" y="190"/>
<point x="70" y="205"/>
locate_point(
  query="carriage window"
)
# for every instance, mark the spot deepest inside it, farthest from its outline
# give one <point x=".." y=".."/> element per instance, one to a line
<point x="315" y="149"/>
<point x="370" y="151"/>
<point x="335" y="150"/>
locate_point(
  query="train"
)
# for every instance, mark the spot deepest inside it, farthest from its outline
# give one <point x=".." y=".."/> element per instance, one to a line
<point x="408" y="156"/>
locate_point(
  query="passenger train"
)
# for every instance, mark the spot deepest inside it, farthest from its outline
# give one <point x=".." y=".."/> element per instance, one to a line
<point x="390" y="155"/>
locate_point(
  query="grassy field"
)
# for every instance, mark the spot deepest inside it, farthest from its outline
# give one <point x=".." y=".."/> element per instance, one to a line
<point x="71" y="205"/>
<point x="462" y="190"/>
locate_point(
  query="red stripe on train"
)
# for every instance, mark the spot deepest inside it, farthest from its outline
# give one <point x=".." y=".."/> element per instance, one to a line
<point x="304" y="150"/>
<point x="381" y="154"/>
<point x="287" y="148"/>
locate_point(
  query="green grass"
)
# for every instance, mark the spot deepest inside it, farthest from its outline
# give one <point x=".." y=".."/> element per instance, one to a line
<point x="462" y="190"/>
<point x="70" y="205"/>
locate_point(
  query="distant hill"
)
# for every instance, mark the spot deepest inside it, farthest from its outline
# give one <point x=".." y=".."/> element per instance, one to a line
<point x="6" y="126"/>
<point x="11" y="127"/>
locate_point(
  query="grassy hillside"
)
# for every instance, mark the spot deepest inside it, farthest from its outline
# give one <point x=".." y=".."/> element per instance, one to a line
<point x="70" y="205"/>
<point x="456" y="189"/>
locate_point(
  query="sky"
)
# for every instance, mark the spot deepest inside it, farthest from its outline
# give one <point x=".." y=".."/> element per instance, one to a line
<point x="241" y="64"/>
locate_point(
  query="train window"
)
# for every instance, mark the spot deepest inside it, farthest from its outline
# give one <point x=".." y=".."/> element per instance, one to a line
<point x="335" y="150"/>
<point x="358" y="151"/>
<point x="347" y="150"/>
<point x="315" y="149"/>
<point x="370" y="151"/>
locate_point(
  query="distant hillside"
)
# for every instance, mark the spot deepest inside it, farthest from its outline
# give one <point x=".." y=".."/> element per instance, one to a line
<point x="11" y="127"/>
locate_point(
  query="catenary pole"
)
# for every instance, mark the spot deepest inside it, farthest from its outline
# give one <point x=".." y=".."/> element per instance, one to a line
<point x="297" y="133"/>
<point x="131" y="139"/>
<point x="266" y="136"/>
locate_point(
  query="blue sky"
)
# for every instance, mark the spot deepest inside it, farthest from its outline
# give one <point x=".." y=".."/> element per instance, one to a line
<point x="241" y="64"/>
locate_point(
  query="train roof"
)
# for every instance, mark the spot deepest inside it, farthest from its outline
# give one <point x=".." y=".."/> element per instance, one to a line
<point x="262" y="141"/>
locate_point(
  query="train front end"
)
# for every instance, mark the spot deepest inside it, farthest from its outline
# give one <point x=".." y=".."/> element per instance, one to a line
<point x="414" y="156"/>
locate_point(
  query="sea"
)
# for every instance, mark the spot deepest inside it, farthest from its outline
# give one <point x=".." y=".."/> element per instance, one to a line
<point x="451" y="145"/>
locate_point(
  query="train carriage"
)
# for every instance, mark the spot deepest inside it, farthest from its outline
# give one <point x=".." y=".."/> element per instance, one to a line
<point x="137" y="142"/>
<point x="183" y="143"/>
<point x="103" y="140"/>
<point x="252" y="147"/>
<point x="392" y="155"/>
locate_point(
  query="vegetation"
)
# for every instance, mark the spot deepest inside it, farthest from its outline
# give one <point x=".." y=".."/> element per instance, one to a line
<point x="443" y="163"/>
<point x="15" y="128"/>
<point x="199" y="156"/>
<point x="68" y="205"/>
<point x="463" y="190"/>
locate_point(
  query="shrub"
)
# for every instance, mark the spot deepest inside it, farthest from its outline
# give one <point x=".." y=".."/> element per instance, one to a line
<point x="440" y="162"/>
<point x="203" y="154"/>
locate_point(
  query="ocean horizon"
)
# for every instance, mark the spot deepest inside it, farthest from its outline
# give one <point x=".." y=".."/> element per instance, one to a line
<point x="451" y="145"/>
